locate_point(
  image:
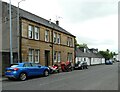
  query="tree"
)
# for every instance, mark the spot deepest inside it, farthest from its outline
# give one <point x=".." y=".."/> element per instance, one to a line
<point x="107" y="54"/>
<point x="83" y="45"/>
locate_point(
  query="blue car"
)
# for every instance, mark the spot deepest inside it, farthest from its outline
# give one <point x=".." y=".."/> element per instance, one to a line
<point x="109" y="62"/>
<point x="24" y="70"/>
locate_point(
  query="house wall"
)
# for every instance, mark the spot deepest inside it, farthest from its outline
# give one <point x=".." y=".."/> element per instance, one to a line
<point x="83" y="59"/>
<point x="27" y="43"/>
<point x="103" y="60"/>
<point x="6" y="35"/>
<point x="91" y="61"/>
<point x="6" y="29"/>
<point x="95" y="61"/>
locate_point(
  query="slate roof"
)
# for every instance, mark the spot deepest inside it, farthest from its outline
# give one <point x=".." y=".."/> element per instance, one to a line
<point x="35" y="18"/>
<point x="80" y="53"/>
<point x="39" y="20"/>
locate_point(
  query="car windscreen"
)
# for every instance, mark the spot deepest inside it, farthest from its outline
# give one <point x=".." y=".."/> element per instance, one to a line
<point x="14" y="65"/>
<point x="78" y="62"/>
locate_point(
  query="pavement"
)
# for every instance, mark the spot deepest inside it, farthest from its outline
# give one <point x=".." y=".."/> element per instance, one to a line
<point x="2" y="78"/>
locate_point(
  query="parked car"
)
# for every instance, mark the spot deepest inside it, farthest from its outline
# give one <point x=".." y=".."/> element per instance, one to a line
<point x="109" y="62"/>
<point x="81" y="65"/>
<point x="117" y="60"/>
<point x="24" y="70"/>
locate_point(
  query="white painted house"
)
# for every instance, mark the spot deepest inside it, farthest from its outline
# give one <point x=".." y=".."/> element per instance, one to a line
<point x="91" y="56"/>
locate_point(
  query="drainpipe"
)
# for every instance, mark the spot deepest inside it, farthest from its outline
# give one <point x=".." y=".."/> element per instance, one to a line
<point x="52" y="47"/>
<point x="74" y="51"/>
<point x="20" y="40"/>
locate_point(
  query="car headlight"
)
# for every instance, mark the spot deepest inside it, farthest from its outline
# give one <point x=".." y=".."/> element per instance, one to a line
<point x="48" y="68"/>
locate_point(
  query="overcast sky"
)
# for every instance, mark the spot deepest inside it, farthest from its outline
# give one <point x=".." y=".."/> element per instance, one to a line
<point x="94" y="22"/>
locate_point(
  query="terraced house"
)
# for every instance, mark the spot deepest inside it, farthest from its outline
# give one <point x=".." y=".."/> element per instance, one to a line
<point x="40" y="40"/>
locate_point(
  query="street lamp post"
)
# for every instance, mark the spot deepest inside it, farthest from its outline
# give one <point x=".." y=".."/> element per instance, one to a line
<point x="11" y="52"/>
<point x="18" y="30"/>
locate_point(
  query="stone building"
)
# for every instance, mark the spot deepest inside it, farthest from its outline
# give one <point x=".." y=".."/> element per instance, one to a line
<point x="40" y="40"/>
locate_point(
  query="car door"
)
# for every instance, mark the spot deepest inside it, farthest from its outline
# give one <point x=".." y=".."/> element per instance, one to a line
<point x="36" y="69"/>
<point x="28" y="68"/>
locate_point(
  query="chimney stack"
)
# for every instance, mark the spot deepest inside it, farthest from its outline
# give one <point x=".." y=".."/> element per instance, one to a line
<point x="57" y="22"/>
<point x="50" y="21"/>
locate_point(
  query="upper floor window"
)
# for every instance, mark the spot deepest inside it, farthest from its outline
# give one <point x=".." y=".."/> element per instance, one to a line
<point x="36" y="30"/>
<point x="69" y="42"/>
<point x="55" y="37"/>
<point x="47" y="36"/>
<point x="85" y="50"/>
<point x="30" y="30"/>
<point x="58" y="38"/>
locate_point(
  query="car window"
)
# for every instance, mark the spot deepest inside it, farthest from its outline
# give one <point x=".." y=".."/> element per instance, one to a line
<point x="34" y="64"/>
<point x="14" y="65"/>
<point x="27" y="65"/>
<point x="78" y="62"/>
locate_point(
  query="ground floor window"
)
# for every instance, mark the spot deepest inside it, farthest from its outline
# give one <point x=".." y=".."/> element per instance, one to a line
<point x="69" y="57"/>
<point x="31" y="57"/>
<point x="59" y="56"/>
<point x="55" y="56"/>
<point x="37" y="56"/>
<point x="34" y="55"/>
<point x="84" y="59"/>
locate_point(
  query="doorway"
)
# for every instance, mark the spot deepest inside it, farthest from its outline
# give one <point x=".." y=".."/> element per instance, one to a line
<point x="47" y="57"/>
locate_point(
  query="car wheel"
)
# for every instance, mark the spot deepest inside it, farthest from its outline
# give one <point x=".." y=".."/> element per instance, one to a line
<point x="23" y="76"/>
<point x="46" y="73"/>
<point x="81" y="68"/>
<point x="58" y="71"/>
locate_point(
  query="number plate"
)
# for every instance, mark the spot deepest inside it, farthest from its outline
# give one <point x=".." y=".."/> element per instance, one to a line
<point x="8" y="71"/>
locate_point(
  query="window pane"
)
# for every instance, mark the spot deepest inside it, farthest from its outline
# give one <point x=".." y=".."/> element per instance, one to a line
<point x="59" y="55"/>
<point x="37" y="56"/>
<point x="30" y="56"/>
<point x="30" y="31"/>
<point x="55" y="56"/>
<point x="71" y="42"/>
<point x="68" y="41"/>
<point x="36" y="33"/>
<point x="55" y="37"/>
<point x="69" y="58"/>
<point x="58" y="39"/>
<point x="46" y="35"/>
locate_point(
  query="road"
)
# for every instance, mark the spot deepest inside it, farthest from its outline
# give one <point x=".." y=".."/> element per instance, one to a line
<point x="99" y="77"/>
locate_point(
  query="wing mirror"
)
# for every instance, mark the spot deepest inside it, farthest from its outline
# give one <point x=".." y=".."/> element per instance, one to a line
<point x="39" y="66"/>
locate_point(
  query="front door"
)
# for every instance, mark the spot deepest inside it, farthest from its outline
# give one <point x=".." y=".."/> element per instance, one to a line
<point x="47" y="58"/>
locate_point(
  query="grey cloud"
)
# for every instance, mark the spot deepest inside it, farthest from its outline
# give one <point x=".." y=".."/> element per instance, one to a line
<point x="78" y="10"/>
<point x="94" y="41"/>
